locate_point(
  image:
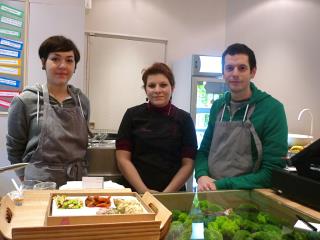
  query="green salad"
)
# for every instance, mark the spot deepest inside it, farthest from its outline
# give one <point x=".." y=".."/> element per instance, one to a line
<point x="246" y="221"/>
<point x="66" y="203"/>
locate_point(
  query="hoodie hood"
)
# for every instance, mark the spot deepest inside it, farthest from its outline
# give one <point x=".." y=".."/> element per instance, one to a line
<point x="30" y="92"/>
<point x="38" y="88"/>
<point x="33" y="89"/>
<point x="257" y="95"/>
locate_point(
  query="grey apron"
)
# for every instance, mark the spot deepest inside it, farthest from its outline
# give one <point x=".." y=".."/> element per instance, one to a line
<point x="230" y="152"/>
<point x="63" y="140"/>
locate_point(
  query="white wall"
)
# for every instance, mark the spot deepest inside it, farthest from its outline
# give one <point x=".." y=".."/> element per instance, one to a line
<point x="285" y="37"/>
<point x="191" y="27"/>
<point x="55" y="17"/>
<point x="115" y="66"/>
<point x="47" y="17"/>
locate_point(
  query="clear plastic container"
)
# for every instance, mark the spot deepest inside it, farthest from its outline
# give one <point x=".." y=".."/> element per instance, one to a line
<point x="45" y="186"/>
<point x="16" y="197"/>
<point x="29" y="184"/>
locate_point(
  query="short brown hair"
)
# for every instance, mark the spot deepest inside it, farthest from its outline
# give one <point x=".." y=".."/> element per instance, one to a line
<point x="158" y="68"/>
<point x="58" y="44"/>
<point x="240" y="48"/>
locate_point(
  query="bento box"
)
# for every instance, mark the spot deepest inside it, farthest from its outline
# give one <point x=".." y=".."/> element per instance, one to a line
<point x="78" y="208"/>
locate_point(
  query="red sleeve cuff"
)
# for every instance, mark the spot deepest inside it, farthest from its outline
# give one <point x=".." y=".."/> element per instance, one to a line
<point x="189" y="152"/>
<point x="123" y="144"/>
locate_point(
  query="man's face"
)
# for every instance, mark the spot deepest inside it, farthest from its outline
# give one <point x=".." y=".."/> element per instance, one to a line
<point x="237" y="73"/>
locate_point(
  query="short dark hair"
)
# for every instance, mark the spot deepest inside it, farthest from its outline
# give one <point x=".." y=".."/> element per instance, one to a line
<point x="239" y="48"/>
<point x="158" y="68"/>
<point x="58" y="44"/>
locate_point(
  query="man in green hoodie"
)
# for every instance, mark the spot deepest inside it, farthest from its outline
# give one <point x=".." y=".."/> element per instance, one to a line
<point x="247" y="132"/>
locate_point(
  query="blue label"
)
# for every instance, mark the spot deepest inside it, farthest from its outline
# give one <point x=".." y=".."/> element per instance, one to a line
<point x="10" y="53"/>
<point x="11" y="43"/>
<point x="9" y="82"/>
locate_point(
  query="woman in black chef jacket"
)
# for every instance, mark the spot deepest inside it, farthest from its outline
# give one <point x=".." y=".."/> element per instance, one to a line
<point x="47" y="124"/>
<point x="156" y="143"/>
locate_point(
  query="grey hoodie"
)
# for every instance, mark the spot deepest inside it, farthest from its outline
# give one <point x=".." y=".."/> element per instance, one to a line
<point x="25" y="121"/>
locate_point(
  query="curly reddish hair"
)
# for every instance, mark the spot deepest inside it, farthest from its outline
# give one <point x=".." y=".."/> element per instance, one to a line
<point x="158" y="68"/>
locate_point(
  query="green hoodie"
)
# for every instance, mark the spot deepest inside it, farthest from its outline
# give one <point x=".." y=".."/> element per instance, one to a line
<point x="270" y="123"/>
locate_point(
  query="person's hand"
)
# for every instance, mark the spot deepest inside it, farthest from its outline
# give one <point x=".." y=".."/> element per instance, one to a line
<point x="152" y="191"/>
<point x="205" y="183"/>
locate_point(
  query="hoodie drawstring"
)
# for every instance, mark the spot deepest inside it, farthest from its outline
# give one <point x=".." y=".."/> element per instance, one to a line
<point x="224" y="108"/>
<point x="80" y="106"/>
<point x="38" y="107"/>
<point x="245" y="113"/>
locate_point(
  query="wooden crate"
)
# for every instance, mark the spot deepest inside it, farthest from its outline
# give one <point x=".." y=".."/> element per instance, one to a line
<point x="29" y="220"/>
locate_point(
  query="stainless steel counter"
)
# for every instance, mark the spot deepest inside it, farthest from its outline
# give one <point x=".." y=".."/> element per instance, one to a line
<point x="102" y="161"/>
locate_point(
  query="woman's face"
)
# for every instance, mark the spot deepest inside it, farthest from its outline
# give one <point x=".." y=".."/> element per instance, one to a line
<point x="60" y="67"/>
<point x="158" y="90"/>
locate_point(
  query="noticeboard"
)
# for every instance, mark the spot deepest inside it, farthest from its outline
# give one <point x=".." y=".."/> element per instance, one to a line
<point x="12" y="50"/>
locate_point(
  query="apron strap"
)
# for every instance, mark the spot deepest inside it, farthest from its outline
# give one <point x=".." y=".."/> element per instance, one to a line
<point x="77" y="101"/>
<point x="250" y="111"/>
<point x="221" y="113"/>
<point x="45" y="94"/>
<point x="258" y="143"/>
<point x="256" y="139"/>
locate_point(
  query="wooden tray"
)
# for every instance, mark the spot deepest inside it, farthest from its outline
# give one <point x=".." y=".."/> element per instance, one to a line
<point x="29" y="220"/>
<point x="51" y="220"/>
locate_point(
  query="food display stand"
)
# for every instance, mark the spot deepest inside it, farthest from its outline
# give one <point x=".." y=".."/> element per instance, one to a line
<point x="30" y="221"/>
<point x="266" y="199"/>
<point x="268" y="210"/>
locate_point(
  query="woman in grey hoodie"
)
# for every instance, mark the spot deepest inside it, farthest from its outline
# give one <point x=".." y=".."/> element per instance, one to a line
<point x="47" y="124"/>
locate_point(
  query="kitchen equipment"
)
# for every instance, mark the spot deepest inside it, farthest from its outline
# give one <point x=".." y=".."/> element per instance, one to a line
<point x="299" y="139"/>
<point x="311" y="117"/>
<point x="304" y="185"/>
<point x="101" y="136"/>
<point x="101" y="157"/>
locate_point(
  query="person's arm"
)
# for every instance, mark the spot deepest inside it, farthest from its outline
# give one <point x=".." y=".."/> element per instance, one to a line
<point x="205" y="182"/>
<point x="274" y="144"/>
<point x="17" y="135"/>
<point x="181" y="176"/>
<point x="129" y="171"/>
<point x="188" y="153"/>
